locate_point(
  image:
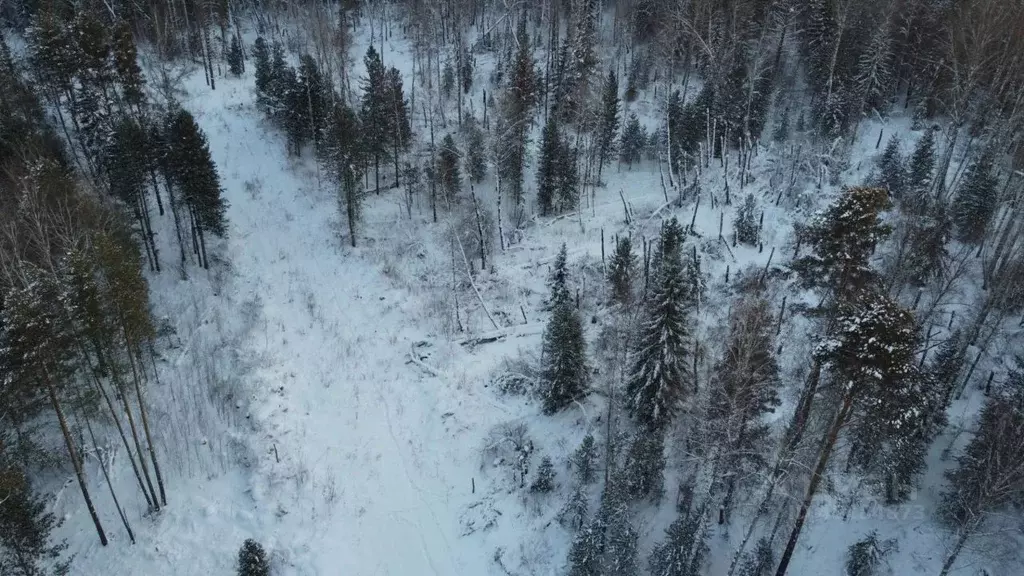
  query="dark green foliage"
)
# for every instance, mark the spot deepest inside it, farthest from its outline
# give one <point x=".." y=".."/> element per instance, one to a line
<point x="609" y="125"/>
<point x="375" y="116"/>
<point x="683" y="551"/>
<point x="582" y="460"/>
<point x="263" y="72"/>
<point x="687" y="126"/>
<point x="620" y="271"/>
<point x="126" y="67"/>
<point x="948" y="362"/>
<point x="447" y="80"/>
<point x="633" y="141"/>
<point x="607" y="545"/>
<point x="252" y="559"/>
<point x="558" y="282"/>
<point x="126" y="163"/>
<point x="564" y="358"/>
<point x="25" y="527"/>
<point x="544" y="482"/>
<point x="476" y="159"/>
<point x="399" y="129"/>
<point x="660" y="374"/>
<point x="234" y="57"/>
<point x="976" y="201"/>
<point x="195" y="174"/>
<point x="448" y="168"/>
<point x="891" y="171"/>
<point x="929" y="234"/>
<point x="515" y="114"/>
<point x="341" y="154"/>
<point x="760" y="561"/>
<point x="466" y="64"/>
<point x="842" y="239"/>
<point x="745" y="224"/>
<point x="645" y="463"/>
<point x="921" y="166"/>
<point x="865" y="556"/>
<point x="574" y="514"/>
<point x="547" y="167"/>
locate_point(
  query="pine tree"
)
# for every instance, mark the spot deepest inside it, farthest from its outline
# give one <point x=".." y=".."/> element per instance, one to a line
<point x="607" y="546"/>
<point x="574" y="514"/>
<point x="621" y="270"/>
<point x="746" y="222"/>
<point x="633" y="141"/>
<point x="842" y="239"/>
<point x="476" y="160"/>
<point x="567" y="176"/>
<point x="948" y="362"/>
<point x="891" y="171"/>
<point x="26" y="527"/>
<point x="976" y="201"/>
<point x="609" y="126"/>
<point x="466" y="65"/>
<point x="234" y="57"/>
<point x="922" y="164"/>
<point x="252" y="559"/>
<point x="448" y="162"/>
<point x="548" y="167"/>
<point x="781" y="133"/>
<point x="683" y="551"/>
<point x="558" y="282"/>
<point x="660" y="376"/>
<point x="545" y="480"/>
<point x="582" y="460"/>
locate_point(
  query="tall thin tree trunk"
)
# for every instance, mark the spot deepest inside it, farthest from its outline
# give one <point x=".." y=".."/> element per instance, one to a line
<point x="145" y="417"/>
<point x="110" y="485"/>
<point x="819" y="472"/>
<point x="73" y="454"/>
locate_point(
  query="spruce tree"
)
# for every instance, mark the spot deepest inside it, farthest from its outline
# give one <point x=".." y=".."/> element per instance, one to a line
<point x="921" y="166"/>
<point x="126" y="67"/>
<point x="620" y="271"/>
<point x="607" y="545"/>
<point x="375" y="116"/>
<point x="263" y="72"/>
<point x="548" y="167"/>
<point x="660" y="374"/>
<point x="545" y="480"/>
<point x="252" y="559"/>
<point x="476" y="160"/>
<point x="948" y="362"/>
<point x="515" y="115"/>
<point x="195" y="176"/>
<point x="341" y="155"/>
<point x="609" y="126"/>
<point x="582" y="460"/>
<point x="448" y="162"/>
<point x="683" y="551"/>
<point x="976" y="201"/>
<point x="26" y="526"/>
<point x="234" y="57"/>
<point x="644" y="465"/>
<point x="633" y="141"/>
<point x="866" y="555"/>
<point x="399" y="129"/>
<point x="564" y="358"/>
<point x="760" y="561"/>
<point x="745" y="224"/>
<point x="891" y="171"/>
<point x="781" y="133"/>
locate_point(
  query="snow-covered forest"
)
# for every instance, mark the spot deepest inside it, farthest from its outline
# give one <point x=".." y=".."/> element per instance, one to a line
<point x="466" y="287"/>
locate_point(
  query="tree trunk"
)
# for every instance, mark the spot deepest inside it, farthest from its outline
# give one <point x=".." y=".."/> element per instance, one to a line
<point x="819" y="472"/>
<point x="145" y="420"/>
<point x="73" y="454"/>
<point x="965" y="533"/>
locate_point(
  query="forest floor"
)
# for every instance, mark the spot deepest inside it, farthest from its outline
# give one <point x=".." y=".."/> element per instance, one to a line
<point x="338" y="415"/>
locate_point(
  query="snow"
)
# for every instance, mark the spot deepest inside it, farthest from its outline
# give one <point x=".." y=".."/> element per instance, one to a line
<point x="318" y="398"/>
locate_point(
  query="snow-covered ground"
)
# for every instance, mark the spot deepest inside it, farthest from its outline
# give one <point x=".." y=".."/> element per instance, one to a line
<point x="319" y="399"/>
